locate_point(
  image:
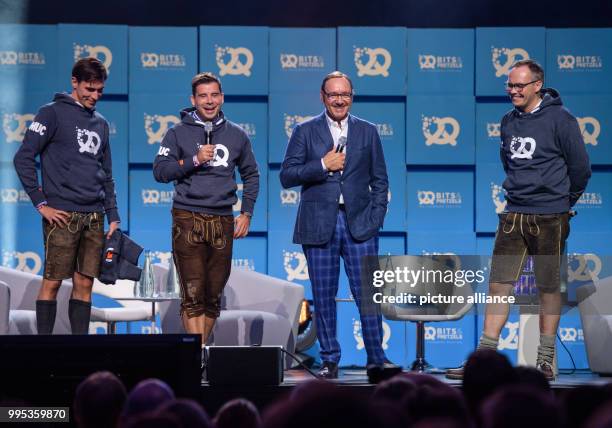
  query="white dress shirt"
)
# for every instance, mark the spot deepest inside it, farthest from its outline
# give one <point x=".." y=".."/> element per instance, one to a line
<point x="337" y="129"/>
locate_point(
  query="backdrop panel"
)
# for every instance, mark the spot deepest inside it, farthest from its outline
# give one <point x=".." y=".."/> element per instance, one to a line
<point x="440" y="61"/>
<point x="440" y="130"/>
<point x="238" y="55"/>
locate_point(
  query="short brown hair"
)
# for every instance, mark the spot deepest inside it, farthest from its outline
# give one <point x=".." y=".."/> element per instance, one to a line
<point x="536" y="69"/>
<point x="334" y="75"/>
<point x="202" y="79"/>
<point x="89" y="70"/>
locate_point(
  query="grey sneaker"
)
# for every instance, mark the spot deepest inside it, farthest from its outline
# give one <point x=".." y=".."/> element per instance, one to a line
<point x="456" y="373"/>
<point x="547" y="370"/>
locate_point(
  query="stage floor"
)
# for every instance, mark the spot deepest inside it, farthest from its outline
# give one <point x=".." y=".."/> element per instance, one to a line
<point x="359" y="377"/>
<point x="355" y="379"/>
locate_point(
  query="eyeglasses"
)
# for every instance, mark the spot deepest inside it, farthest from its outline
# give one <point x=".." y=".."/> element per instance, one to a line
<point x="344" y="97"/>
<point x="518" y="86"/>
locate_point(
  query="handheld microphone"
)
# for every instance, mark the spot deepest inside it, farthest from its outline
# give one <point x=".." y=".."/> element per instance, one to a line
<point x="341" y="144"/>
<point x="339" y="148"/>
<point x="208" y="127"/>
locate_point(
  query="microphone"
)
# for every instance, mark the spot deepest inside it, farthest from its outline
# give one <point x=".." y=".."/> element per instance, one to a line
<point x="339" y="148"/>
<point x="208" y="127"/>
<point x="341" y="144"/>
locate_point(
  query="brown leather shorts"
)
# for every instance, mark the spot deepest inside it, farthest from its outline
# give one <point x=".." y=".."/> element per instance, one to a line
<point x="202" y="251"/>
<point x="76" y="247"/>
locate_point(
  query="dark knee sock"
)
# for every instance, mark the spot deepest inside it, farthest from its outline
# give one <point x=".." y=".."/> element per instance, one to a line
<point x="45" y="316"/>
<point x="79" y="313"/>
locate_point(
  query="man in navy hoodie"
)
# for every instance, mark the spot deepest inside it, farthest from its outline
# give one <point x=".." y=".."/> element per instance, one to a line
<point x="77" y="192"/>
<point x="200" y="155"/>
<point x="547" y="169"/>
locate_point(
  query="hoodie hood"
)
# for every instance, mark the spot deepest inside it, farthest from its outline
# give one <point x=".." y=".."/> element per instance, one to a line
<point x="66" y="98"/>
<point x="189" y="116"/>
<point x="550" y="97"/>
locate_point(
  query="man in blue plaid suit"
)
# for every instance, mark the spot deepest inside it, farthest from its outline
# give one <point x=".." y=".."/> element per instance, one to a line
<point x="338" y="160"/>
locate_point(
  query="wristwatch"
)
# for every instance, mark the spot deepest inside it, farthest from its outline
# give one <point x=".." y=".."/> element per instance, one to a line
<point x="246" y="214"/>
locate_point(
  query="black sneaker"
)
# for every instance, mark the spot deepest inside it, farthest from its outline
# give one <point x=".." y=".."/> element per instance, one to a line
<point x="328" y="370"/>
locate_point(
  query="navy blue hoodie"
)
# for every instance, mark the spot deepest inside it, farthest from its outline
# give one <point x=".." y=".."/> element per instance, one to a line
<point x="212" y="188"/>
<point x="75" y="159"/>
<point x="543" y="154"/>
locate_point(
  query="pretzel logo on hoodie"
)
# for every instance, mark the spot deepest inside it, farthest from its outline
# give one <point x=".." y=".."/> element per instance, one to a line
<point x="89" y="141"/>
<point x="522" y="147"/>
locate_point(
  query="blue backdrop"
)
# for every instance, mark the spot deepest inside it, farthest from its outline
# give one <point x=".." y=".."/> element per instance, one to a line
<point x="436" y="97"/>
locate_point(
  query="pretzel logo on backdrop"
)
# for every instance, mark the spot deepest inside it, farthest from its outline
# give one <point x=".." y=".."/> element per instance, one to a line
<point x="441" y="135"/>
<point x="589" y="135"/>
<point x="494" y="130"/>
<point x="89" y="141"/>
<point x="295" y="265"/>
<point x="26" y="261"/>
<point x="583" y="267"/>
<point x="301" y="61"/>
<point x="238" y="205"/>
<point x="291" y="120"/>
<point x="571" y="334"/>
<point x="509" y="341"/>
<point x="289" y="197"/>
<point x="496" y="193"/>
<point x="155" y="60"/>
<point x="163" y="124"/>
<point x="430" y="198"/>
<point x="426" y="197"/>
<point x="234" y="66"/>
<point x="443" y="333"/>
<point x="15" y="125"/>
<point x="13" y="196"/>
<point x="573" y="62"/>
<point x="156" y="197"/>
<point x="566" y="61"/>
<point x="150" y="196"/>
<point x="100" y="52"/>
<point x="8" y="58"/>
<point x="522" y="147"/>
<point x="22" y="58"/>
<point x="372" y="67"/>
<point x="427" y="62"/>
<point x="357" y="334"/>
<point x="438" y="62"/>
<point x="511" y="55"/>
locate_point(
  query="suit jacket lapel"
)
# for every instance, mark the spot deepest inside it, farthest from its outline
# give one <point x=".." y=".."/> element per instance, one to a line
<point x="352" y="142"/>
<point x="324" y="132"/>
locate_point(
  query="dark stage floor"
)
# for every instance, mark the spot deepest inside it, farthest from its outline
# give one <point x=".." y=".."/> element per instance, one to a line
<point x="355" y="379"/>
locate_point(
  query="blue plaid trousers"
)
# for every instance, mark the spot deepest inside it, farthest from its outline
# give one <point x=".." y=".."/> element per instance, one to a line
<point x="324" y="271"/>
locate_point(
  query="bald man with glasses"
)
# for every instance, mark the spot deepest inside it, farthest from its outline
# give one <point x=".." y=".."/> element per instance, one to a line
<point x="547" y="170"/>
